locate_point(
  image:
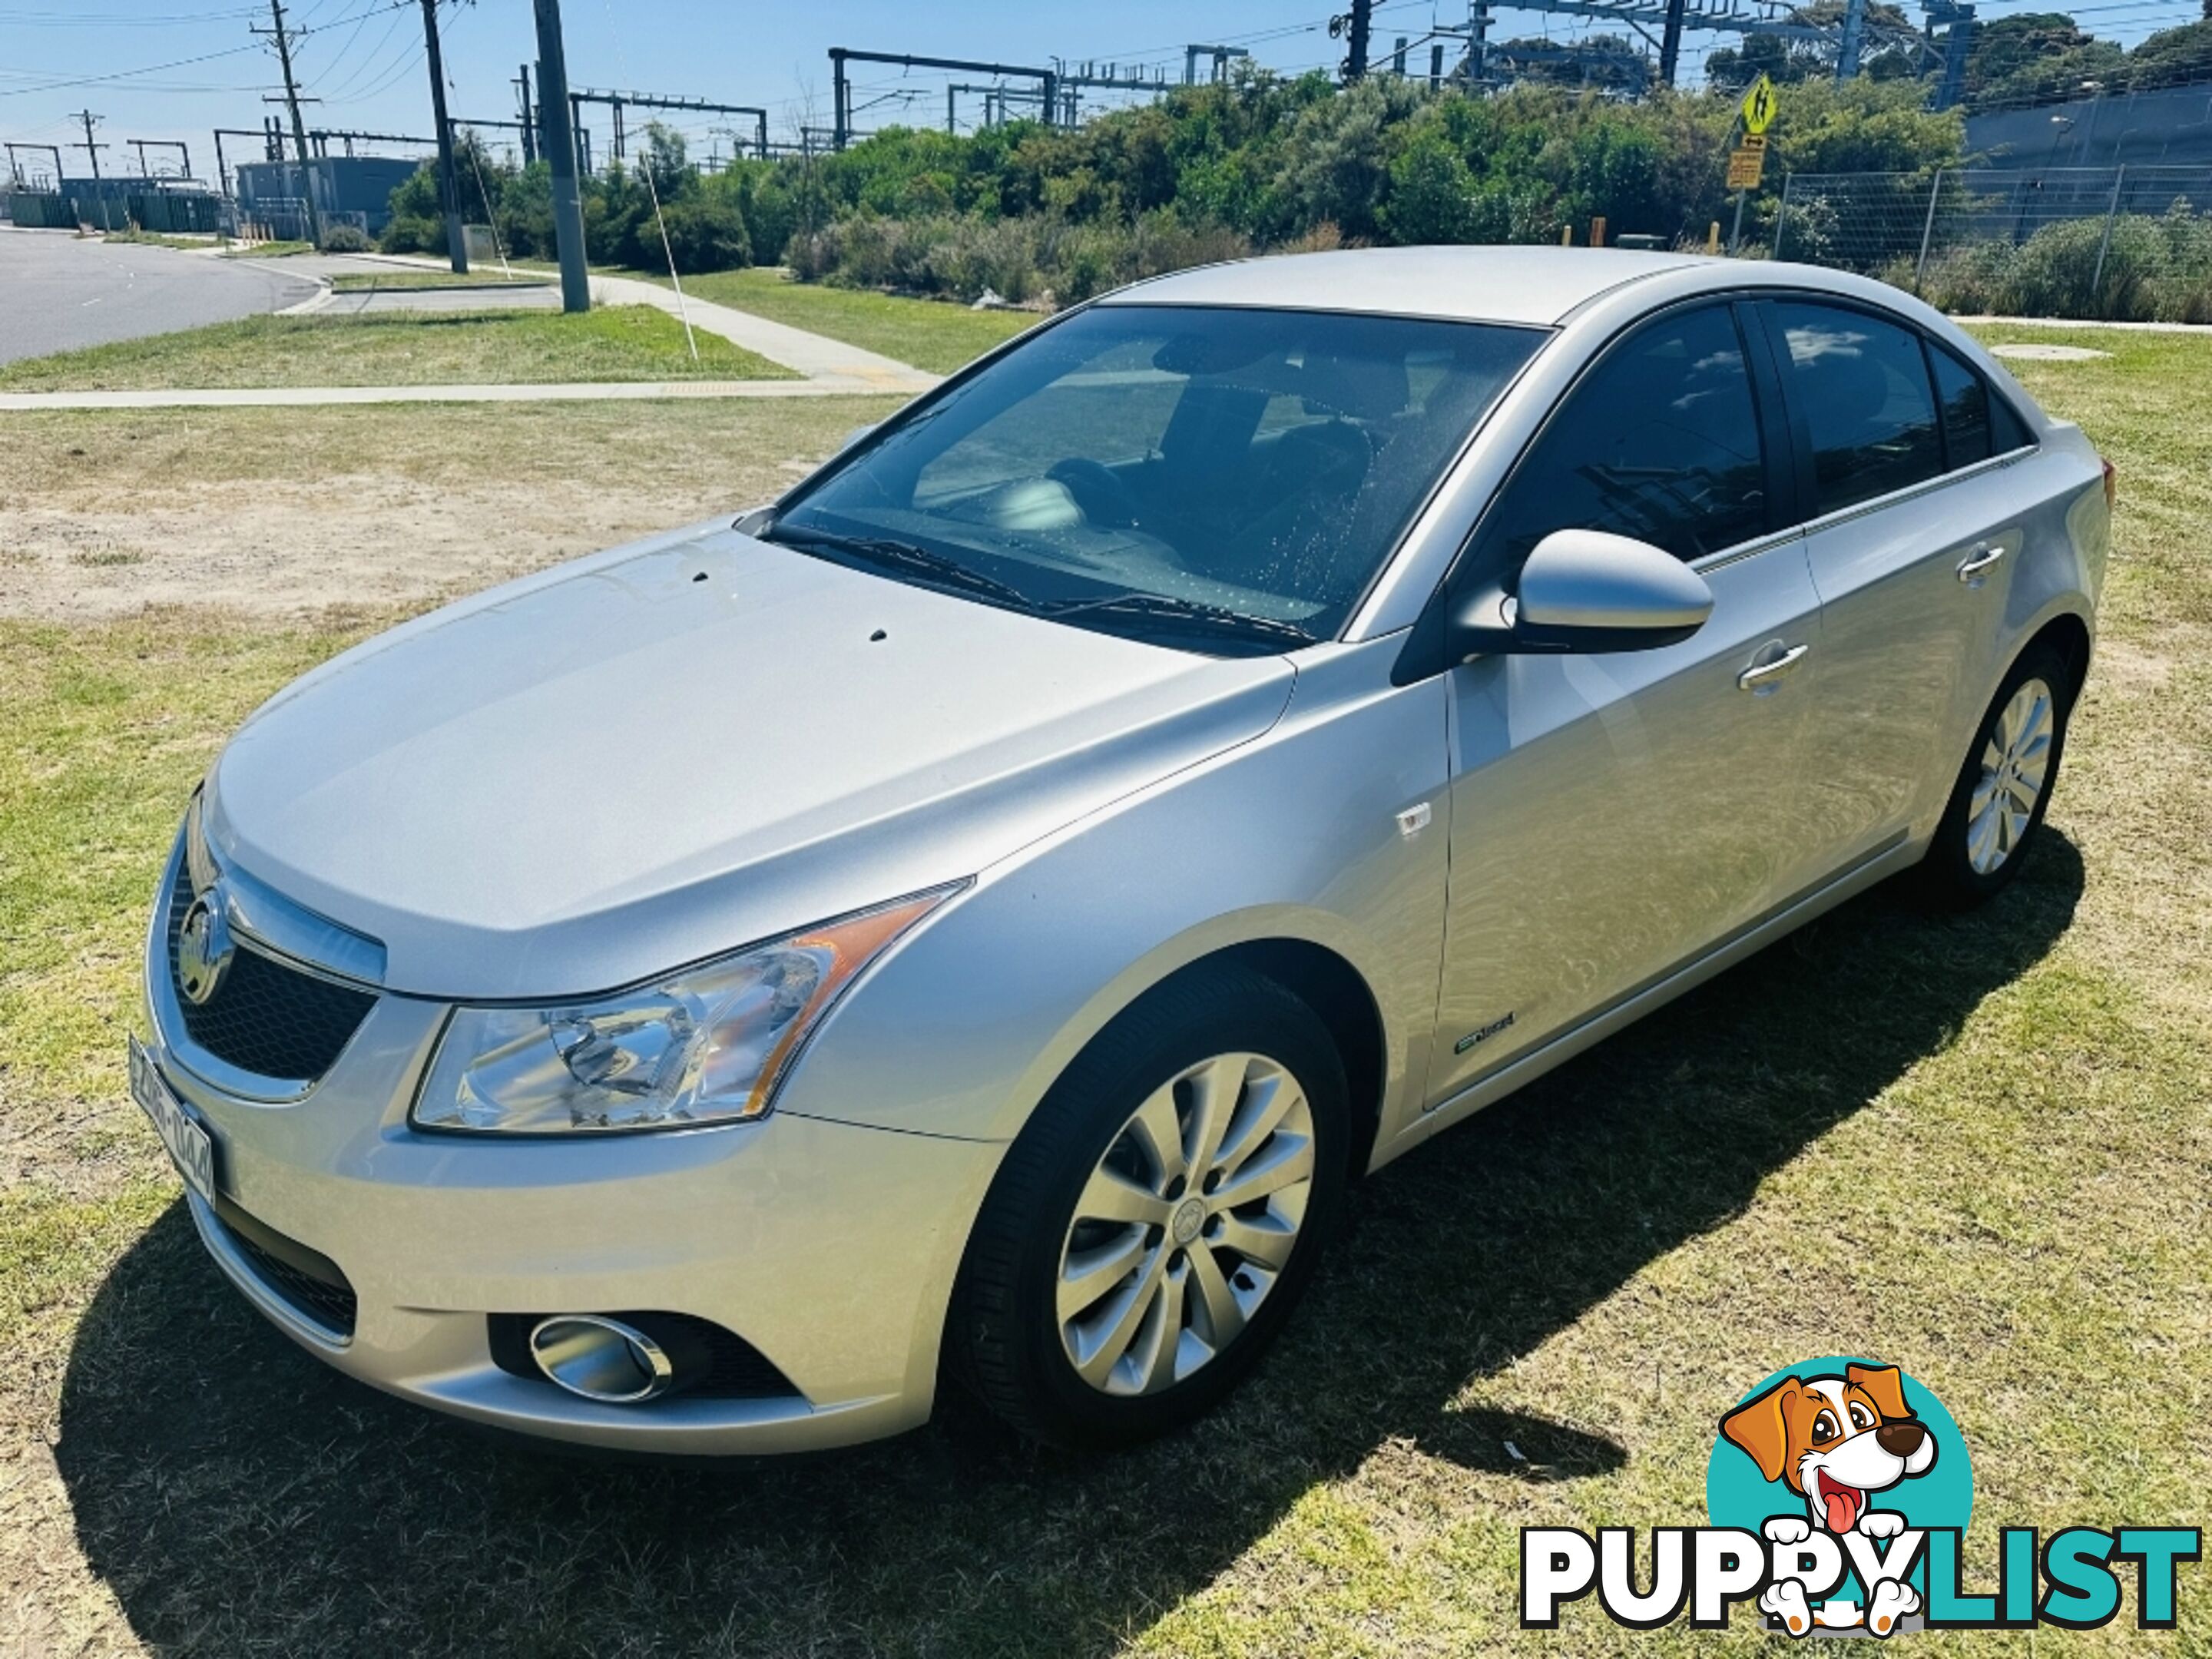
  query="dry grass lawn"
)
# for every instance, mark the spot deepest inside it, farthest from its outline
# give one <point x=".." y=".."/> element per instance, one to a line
<point x="1977" y="1146"/>
<point x="289" y="511"/>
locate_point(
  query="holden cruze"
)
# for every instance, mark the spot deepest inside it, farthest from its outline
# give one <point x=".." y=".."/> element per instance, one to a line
<point x="974" y="916"/>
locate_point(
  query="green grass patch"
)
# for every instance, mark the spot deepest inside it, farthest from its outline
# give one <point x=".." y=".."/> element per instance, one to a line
<point x="401" y="348"/>
<point x="369" y="282"/>
<point x="162" y="239"/>
<point x="269" y="250"/>
<point x="931" y="334"/>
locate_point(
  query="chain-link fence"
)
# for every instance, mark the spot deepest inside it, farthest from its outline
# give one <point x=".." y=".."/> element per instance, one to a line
<point x="2126" y="242"/>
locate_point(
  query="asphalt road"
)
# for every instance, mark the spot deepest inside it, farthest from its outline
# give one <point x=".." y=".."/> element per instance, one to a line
<point x="58" y="292"/>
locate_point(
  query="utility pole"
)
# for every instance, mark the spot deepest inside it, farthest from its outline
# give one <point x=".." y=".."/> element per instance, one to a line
<point x="449" y="183"/>
<point x="1847" y="53"/>
<point x="553" y="116"/>
<point x="529" y="119"/>
<point x="299" y="127"/>
<point x="1354" y="27"/>
<point x="1670" y="42"/>
<point x="87" y="146"/>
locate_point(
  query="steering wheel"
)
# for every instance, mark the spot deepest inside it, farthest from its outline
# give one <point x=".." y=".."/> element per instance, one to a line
<point x="1104" y="499"/>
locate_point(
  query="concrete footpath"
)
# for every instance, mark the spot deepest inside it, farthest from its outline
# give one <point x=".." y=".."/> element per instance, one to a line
<point x="817" y="356"/>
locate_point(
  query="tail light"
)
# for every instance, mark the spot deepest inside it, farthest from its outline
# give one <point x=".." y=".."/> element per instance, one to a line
<point x="2111" y="486"/>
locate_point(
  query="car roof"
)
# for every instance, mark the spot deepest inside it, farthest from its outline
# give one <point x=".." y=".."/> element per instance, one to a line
<point x="1525" y="285"/>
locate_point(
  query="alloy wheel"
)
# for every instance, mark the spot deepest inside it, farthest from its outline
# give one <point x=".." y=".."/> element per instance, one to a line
<point x="1185" y="1224"/>
<point x="2015" y="766"/>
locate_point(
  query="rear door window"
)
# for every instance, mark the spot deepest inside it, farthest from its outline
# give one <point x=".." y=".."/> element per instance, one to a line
<point x="1861" y="387"/>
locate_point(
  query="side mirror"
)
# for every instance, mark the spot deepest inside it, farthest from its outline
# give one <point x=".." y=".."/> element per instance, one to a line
<point x="855" y="436"/>
<point x="1586" y="591"/>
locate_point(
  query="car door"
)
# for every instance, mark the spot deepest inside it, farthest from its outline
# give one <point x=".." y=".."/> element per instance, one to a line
<point x="1614" y="815"/>
<point x="1910" y="547"/>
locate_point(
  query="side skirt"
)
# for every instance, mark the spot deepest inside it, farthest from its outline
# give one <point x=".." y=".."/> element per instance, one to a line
<point x="1877" y="866"/>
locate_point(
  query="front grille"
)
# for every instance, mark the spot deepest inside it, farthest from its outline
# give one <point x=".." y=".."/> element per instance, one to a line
<point x="264" y="1018"/>
<point x="307" y="1282"/>
<point x="723" y="1365"/>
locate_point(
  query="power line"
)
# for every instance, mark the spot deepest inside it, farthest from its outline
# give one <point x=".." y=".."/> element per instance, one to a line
<point x="410" y="59"/>
<point x="363" y="68"/>
<point x="119" y="74"/>
<point x="35" y="20"/>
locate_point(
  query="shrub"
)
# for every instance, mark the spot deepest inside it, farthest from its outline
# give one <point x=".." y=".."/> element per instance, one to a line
<point x="408" y="233"/>
<point x="2068" y="269"/>
<point x="1973" y="279"/>
<point x="2154" y="269"/>
<point x="705" y="232"/>
<point x="344" y="238"/>
<point x="1431" y="194"/>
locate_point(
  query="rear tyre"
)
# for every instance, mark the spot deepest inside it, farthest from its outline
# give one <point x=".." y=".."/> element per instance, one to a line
<point x="1997" y="805"/>
<point x="1155" y="1222"/>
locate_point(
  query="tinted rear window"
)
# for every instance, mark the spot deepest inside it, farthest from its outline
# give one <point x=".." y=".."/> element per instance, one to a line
<point x="1862" y="385"/>
<point x="1965" y="402"/>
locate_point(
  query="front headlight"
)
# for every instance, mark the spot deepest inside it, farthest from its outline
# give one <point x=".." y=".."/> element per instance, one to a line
<point x="707" y="1045"/>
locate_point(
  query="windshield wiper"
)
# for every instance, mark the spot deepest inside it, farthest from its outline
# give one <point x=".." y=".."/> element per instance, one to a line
<point x="941" y="568"/>
<point x="1196" y="613"/>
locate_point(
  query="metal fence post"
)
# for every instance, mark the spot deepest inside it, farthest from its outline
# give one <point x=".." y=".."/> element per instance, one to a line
<point x="2104" y="246"/>
<point x="1782" y="212"/>
<point x="1927" y="230"/>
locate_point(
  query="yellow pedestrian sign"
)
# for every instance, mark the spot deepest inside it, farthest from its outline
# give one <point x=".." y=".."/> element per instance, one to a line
<point x="1760" y="105"/>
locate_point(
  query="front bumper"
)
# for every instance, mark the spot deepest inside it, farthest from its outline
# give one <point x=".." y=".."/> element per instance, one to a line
<point x="830" y="1249"/>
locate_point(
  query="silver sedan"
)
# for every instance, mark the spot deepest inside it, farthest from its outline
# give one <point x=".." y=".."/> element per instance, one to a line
<point x="976" y="915"/>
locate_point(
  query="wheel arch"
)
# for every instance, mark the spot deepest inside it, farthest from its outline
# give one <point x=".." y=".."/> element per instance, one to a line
<point x="1339" y="996"/>
<point x="2069" y="633"/>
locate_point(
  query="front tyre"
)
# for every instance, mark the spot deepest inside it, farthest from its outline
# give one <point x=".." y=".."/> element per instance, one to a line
<point x="1997" y="805"/>
<point x="1158" y="1216"/>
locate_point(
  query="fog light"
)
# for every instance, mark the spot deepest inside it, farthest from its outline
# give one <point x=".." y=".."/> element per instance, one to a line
<point x="601" y="1359"/>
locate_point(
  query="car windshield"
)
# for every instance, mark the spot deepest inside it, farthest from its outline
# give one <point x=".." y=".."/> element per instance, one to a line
<point x="1220" y="480"/>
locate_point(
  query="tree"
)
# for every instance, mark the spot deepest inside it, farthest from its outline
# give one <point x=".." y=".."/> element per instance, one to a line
<point x="1888" y="52"/>
<point x="1605" y="60"/>
<point x="1785" y="62"/>
<point x="2037" y="57"/>
<point x="2172" y="58"/>
<point x="1336" y="159"/>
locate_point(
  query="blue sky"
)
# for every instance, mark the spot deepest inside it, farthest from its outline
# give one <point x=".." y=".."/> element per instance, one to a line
<point x="177" y="68"/>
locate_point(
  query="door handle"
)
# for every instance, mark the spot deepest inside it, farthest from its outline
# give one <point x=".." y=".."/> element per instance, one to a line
<point x="1980" y="562"/>
<point x="1766" y="673"/>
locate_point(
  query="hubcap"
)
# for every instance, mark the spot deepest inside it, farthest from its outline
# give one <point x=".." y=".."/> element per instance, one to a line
<point x="2015" y="766"/>
<point x="1185" y="1224"/>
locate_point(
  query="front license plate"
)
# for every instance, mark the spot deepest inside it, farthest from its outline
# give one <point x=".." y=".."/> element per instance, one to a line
<point x="190" y="1146"/>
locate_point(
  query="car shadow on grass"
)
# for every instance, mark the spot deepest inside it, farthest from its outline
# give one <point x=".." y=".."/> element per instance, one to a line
<point x="232" y="1493"/>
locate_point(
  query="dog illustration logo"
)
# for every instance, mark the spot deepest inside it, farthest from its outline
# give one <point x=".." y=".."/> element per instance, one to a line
<point x="1838" y="1460"/>
<point x="1835" y="1441"/>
